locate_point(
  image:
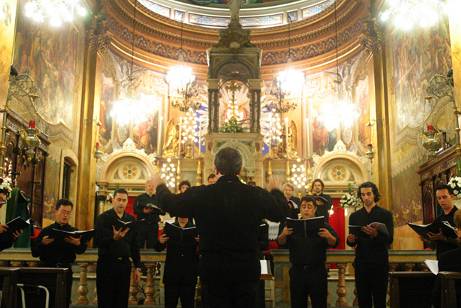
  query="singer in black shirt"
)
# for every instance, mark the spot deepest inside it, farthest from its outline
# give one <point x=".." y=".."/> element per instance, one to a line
<point x="371" y="248"/>
<point x="59" y="251"/>
<point x="148" y="229"/>
<point x="116" y="245"/>
<point x="181" y="266"/>
<point x="442" y="243"/>
<point x="308" y="274"/>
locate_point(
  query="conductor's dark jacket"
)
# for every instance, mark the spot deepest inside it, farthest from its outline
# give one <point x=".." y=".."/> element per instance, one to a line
<point x="227" y="214"/>
<point x="181" y="264"/>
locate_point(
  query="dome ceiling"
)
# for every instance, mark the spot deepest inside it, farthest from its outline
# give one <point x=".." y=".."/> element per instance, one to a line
<point x="159" y="40"/>
<point x="208" y="13"/>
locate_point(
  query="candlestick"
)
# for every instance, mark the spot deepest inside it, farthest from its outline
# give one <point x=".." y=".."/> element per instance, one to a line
<point x="286" y="135"/>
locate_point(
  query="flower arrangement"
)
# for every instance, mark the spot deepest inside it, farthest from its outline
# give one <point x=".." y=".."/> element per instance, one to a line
<point x="455" y="184"/>
<point x="349" y="200"/>
<point x="232" y="126"/>
<point x="5" y="186"/>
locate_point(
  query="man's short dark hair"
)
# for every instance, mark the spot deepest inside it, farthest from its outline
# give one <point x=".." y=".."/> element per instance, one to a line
<point x="63" y="202"/>
<point x="228" y="161"/>
<point x="308" y="199"/>
<point x="184" y="182"/>
<point x="319" y="181"/>
<point x="374" y="189"/>
<point x="443" y="187"/>
<point x="211" y="176"/>
<point x="120" y="191"/>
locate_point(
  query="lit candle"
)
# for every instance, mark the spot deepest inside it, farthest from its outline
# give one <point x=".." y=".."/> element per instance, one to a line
<point x="32" y="124"/>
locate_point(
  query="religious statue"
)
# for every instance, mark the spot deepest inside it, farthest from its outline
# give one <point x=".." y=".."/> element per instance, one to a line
<point x="234" y="7"/>
<point x="171" y="145"/>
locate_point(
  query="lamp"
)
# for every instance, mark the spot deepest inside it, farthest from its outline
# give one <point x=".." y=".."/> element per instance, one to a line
<point x="182" y="87"/>
<point x="341" y="111"/>
<point x="21" y="86"/>
<point x="409" y="14"/>
<point x="442" y="86"/>
<point x="55" y="12"/>
<point x="288" y="84"/>
<point x="133" y="108"/>
<point x="29" y="143"/>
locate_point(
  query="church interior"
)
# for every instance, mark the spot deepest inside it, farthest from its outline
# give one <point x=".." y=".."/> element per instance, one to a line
<point x="97" y="95"/>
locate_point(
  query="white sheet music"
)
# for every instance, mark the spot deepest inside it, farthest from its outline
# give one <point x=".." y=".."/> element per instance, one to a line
<point x="433" y="266"/>
<point x="273" y="229"/>
<point x="264" y="267"/>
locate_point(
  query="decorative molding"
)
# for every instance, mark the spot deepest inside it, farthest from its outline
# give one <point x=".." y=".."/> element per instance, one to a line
<point x="310" y="50"/>
<point x="340" y="166"/>
<point x="161" y="37"/>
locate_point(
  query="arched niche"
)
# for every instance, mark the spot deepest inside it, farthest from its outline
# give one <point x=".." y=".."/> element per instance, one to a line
<point x="340" y="168"/>
<point x="130" y="170"/>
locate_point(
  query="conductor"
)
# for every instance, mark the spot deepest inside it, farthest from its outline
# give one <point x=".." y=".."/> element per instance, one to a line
<point x="227" y="215"/>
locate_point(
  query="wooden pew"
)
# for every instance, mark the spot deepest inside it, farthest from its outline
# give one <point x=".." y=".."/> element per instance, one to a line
<point x="8" y="280"/>
<point x="411" y="289"/>
<point x="449" y="281"/>
<point x="53" y="279"/>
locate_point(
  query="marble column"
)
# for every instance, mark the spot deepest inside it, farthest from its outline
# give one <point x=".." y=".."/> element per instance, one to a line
<point x="96" y="43"/>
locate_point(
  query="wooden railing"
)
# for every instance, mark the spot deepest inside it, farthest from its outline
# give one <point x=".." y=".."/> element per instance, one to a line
<point x="340" y="260"/>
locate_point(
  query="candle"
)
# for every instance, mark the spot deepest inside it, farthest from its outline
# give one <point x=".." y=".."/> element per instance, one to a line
<point x="286" y="134"/>
<point x="199" y="137"/>
<point x="32" y="124"/>
<point x="179" y="138"/>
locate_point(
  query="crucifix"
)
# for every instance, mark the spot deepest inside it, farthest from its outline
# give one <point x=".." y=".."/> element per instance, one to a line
<point x="234" y="7"/>
<point x="233" y="87"/>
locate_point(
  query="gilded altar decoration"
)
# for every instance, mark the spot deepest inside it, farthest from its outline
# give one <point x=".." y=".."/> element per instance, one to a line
<point x="431" y="139"/>
<point x="171" y="145"/>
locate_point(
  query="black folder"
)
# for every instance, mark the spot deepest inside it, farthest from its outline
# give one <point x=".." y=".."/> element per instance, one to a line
<point x="128" y="224"/>
<point x="177" y="233"/>
<point x="423" y="230"/>
<point x="83" y="234"/>
<point x="17" y="224"/>
<point x="306" y="226"/>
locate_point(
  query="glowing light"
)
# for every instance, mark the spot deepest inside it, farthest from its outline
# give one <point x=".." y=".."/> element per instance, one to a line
<point x="332" y="115"/>
<point x="179" y="77"/>
<point x="134" y="110"/>
<point x="168" y="173"/>
<point x="55" y="12"/>
<point x="298" y="175"/>
<point x="406" y="15"/>
<point x="291" y="82"/>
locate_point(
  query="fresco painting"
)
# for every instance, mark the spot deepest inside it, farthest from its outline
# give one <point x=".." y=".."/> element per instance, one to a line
<point x="52" y="59"/>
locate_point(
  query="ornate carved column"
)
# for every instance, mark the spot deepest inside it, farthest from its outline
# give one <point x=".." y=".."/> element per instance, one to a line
<point x="341" y="291"/>
<point x="213" y="106"/>
<point x="149" y="289"/>
<point x="255" y="105"/>
<point x="372" y="40"/>
<point x="96" y="43"/>
<point x="82" y="288"/>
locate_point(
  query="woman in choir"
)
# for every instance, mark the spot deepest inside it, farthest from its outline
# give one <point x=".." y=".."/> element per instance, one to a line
<point x="181" y="264"/>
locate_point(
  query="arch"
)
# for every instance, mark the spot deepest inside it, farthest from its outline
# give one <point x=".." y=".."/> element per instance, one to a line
<point x="124" y="168"/>
<point x="340" y="168"/>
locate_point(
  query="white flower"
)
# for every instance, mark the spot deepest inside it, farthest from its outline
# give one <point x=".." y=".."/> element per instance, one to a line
<point x="6" y="185"/>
